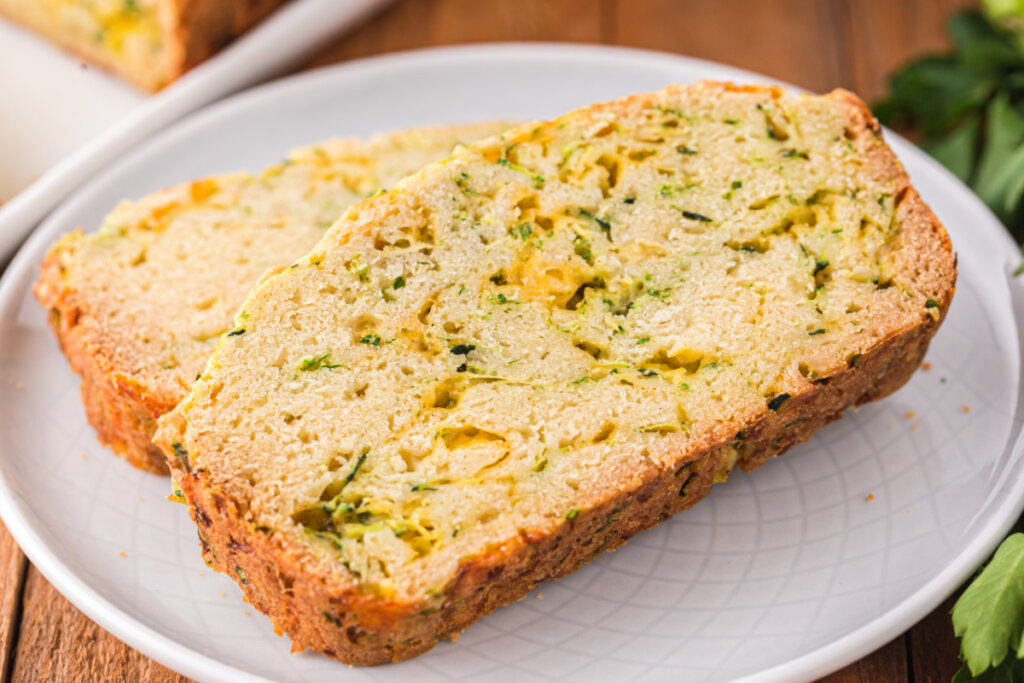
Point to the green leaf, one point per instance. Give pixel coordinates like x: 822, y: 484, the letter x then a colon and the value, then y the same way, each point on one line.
x: 980, y: 45
x: 1002, y: 159
x: 1010, y: 671
x: 933, y: 92
x: 970, y: 28
x: 989, y: 616
x: 958, y: 150
x: 1014, y: 193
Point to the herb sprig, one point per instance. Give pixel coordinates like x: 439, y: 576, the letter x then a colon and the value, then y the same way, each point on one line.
x: 989, y: 618
x: 966, y: 108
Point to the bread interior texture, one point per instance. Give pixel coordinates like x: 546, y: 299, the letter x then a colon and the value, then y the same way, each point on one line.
x: 548, y: 319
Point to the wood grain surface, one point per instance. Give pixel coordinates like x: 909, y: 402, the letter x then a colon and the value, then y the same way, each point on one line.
x: 815, y: 44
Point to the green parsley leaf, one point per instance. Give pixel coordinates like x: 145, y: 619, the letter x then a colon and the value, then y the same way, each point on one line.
x: 965, y: 107
x: 989, y: 616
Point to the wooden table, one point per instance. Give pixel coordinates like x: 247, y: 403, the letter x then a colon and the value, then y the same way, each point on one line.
x: 817, y: 44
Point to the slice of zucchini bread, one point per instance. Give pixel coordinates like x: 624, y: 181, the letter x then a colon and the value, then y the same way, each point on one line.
x: 138, y: 306
x: 149, y: 42
x: 523, y: 355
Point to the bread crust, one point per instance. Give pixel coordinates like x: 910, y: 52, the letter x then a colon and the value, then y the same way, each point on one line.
x: 191, y: 33
x: 119, y: 408
x: 323, y: 613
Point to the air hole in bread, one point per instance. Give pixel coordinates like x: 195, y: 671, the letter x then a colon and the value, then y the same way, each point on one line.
x: 605, y: 433
x: 611, y: 167
x: 688, y: 360
x: 763, y: 202
x: 592, y: 350
x: 360, y: 326
x: 640, y: 154
x: 527, y: 203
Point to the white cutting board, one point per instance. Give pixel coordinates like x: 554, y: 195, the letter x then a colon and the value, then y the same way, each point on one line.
x: 60, y: 124
x: 50, y: 104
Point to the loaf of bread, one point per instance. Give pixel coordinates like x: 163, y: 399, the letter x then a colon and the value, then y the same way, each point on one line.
x: 148, y: 42
x: 139, y: 305
x: 523, y: 355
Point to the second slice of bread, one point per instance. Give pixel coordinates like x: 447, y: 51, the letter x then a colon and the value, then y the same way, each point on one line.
x: 139, y: 305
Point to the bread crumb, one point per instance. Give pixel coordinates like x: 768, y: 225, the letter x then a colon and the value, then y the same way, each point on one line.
x: 122, y: 554
x: 16, y: 383
x: 245, y: 612
x: 870, y: 497
x: 220, y: 593
x: 890, y: 425
x: 540, y: 596
x: 926, y: 366
x: 909, y: 510
x: 201, y: 573
x: 966, y: 408
x: 83, y: 456
x: 910, y: 415
x: 913, y: 428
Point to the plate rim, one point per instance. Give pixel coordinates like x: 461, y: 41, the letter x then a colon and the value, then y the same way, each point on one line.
x: 16, y: 511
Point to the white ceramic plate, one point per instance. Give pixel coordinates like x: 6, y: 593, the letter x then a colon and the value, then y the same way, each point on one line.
x: 785, y: 574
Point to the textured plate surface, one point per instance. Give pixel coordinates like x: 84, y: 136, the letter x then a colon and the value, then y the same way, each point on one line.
x: 785, y: 574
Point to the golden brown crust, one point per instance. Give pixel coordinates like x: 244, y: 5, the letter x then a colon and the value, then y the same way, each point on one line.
x: 328, y: 616
x: 117, y: 406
